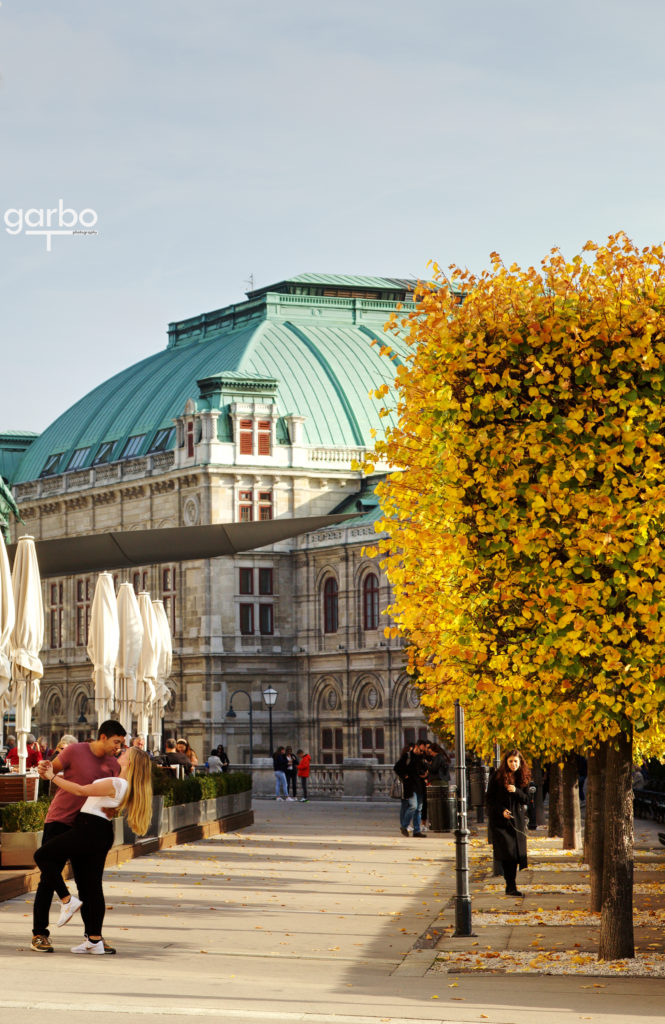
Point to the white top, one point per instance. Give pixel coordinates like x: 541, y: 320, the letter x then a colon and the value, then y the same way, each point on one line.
x: 94, y: 804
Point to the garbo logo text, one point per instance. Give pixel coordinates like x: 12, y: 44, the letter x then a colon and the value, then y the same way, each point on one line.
x: 60, y: 220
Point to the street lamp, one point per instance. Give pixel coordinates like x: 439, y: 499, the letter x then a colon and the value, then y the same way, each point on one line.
x: 231, y: 714
x: 270, y: 696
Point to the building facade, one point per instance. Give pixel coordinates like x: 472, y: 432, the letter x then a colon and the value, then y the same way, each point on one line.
x: 257, y: 411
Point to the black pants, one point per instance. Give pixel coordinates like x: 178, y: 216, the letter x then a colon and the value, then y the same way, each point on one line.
x: 291, y: 781
x: 303, y: 783
x: 47, y: 886
x: 510, y: 874
x: 86, y: 844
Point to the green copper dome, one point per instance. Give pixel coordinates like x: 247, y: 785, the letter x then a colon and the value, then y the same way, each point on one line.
x: 306, y: 341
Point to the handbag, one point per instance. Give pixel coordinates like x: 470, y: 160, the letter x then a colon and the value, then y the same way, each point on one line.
x: 396, y: 791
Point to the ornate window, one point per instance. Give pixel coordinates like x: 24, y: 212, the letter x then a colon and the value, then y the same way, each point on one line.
x: 372, y: 743
x: 265, y: 581
x: 190, y: 439
x: 246, y: 506
x: 246, y: 580
x: 332, y: 745
x: 83, y: 605
x: 371, y: 601
x: 55, y: 614
x: 330, y: 606
x: 169, y: 593
x: 246, y: 619
x: 264, y: 435
x: 266, y: 620
x: 246, y: 437
x: 265, y: 505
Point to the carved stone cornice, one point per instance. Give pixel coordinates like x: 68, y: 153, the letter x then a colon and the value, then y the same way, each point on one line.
x: 71, y: 504
x: 189, y: 480
x: 133, y: 492
x: 105, y: 498
x: 51, y: 509
x: 161, y: 486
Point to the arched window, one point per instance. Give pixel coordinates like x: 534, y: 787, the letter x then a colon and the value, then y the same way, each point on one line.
x: 330, y: 606
x: 370, y: 602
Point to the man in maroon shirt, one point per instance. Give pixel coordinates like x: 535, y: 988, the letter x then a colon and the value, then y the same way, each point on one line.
x: 82, y: 763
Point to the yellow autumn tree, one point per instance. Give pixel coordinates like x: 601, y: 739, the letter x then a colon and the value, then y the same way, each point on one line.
x: 525, y: 525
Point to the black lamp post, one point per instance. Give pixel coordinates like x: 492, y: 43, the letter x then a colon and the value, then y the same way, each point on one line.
x: 231, y: 714
x: 270, y: 697
x: 82, y: 720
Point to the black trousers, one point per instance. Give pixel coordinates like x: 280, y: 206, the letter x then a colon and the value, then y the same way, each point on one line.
x: 510, y: 874
x: 47, y: 886
x: 303, y: 783
x: 291, y: 781
x: 86, y: 844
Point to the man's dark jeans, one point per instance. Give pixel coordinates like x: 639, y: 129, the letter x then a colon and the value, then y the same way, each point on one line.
x: 44, y: 893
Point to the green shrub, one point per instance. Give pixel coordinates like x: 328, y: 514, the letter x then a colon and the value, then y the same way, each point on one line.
x: 25, y: 815
x: 197, y: 787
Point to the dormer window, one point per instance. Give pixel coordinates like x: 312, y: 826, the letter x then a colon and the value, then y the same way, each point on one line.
x: 162, y: 440
x: 190, y: 439
x: 264, y: 434
x: 132, y: 446
x: 78, y: 458
x: 104, y: 453
x: 51, y: 465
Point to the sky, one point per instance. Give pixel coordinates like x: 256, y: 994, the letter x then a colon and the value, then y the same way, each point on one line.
x: 215, y: 142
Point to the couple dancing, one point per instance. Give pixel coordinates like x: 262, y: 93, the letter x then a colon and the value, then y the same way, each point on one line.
x: 78, y: 828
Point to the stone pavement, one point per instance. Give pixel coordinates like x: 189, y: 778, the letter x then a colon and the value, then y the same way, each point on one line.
x: 321, y: 912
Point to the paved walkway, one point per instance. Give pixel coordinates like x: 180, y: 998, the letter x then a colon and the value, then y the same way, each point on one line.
x: 318, y: 913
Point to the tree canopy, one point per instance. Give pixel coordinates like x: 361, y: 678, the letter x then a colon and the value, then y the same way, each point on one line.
x: 525, y: 520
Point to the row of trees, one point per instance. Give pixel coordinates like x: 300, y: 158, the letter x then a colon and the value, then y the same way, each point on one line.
x: 524, y: 530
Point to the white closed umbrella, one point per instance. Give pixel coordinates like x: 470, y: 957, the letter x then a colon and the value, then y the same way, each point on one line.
x: 6, y: 626
x: 103, y: 640
x: 163, y: 694
x: 26, y: 639
x: 129, y: 651
x: 146, y: 676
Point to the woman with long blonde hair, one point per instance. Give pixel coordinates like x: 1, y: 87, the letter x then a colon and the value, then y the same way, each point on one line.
x: 91, y: 838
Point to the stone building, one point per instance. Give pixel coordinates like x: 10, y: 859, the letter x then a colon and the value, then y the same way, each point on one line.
x: 255, y: 411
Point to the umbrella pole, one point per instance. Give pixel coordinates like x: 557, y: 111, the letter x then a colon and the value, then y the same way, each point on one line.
x: 21, y: 728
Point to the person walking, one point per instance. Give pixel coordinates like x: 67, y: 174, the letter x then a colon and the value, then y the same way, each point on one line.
x: 91, y: 837
x: 303, y: 773
x: 410, y: 768
x: 291, y: 773
x: 506, y: 803
x: 81, y: 763
x: 279, y: 765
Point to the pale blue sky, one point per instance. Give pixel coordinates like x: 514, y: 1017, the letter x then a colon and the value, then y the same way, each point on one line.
x: 217, y: 139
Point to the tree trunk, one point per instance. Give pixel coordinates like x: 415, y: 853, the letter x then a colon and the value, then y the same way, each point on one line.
x: 555, y: 820
x: 616, y: 922
x: 572, y: 816
x: 594, y: 833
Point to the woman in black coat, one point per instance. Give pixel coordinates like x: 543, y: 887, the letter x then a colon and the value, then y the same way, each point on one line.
x: 506, y: 801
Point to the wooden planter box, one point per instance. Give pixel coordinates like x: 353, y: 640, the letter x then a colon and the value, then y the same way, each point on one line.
x: 18, y: 787
x: 18, y: 848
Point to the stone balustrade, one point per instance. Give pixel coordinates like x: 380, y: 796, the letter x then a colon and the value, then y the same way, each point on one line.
x: 357, y: 778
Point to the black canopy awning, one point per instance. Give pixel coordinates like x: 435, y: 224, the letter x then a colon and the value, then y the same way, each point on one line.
x: 97, y: 552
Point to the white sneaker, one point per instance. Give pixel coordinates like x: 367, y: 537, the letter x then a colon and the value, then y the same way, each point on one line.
x: 279, y: 798
x: 291, y: 799
x: 67, y: 910
x: 96, y: 948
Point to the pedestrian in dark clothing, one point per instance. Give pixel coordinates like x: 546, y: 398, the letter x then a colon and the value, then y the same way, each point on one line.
x: 291, y: 773
x: 410, y: 768
x: 279, y: 765
x: 223, y: 757
x: 506, y: 802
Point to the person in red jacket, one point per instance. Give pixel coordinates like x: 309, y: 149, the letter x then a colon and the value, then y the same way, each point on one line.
x: 303, y: 773
x: 34, y: 754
